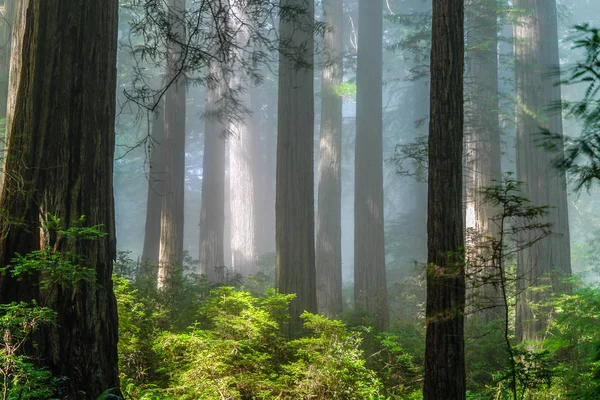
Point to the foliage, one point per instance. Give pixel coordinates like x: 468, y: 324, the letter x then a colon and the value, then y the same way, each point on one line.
x: 581, y: 154
x: 56, y: 267
x: 236, y: 350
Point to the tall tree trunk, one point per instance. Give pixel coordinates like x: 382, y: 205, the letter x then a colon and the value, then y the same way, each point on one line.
x: 171, y: 229
x: 482, y: 151
x: 537, y: 64
x: 420, y: 112
x: 6, y: 25
x: 294, y: 205
x: 212, y: 212
x: 60, y: 161
x: 156, y: 190
x: 370, y: 291
x: 244, y: 158
x: 444, y: 349
x: 329, y: 217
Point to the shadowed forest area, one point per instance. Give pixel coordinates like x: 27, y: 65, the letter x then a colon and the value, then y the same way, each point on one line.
x: 300, y: 199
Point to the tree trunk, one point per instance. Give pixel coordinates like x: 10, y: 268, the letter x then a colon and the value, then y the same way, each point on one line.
x: 156, y: 190
x: 482, y: 153
x: 6, y: 25
x: 329, y: 217
x: 420, y: 101
x: 370, y: 291
x: 212, y: 212
x: 294, y: 205
x: 444, y: 350
x: 244, y: 158
x: 171, y: 229
x: 537, y: 64
x: 61, y: 142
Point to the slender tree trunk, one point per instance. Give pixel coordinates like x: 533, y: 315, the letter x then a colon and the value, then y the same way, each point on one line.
x: 61, y: 142
x: 444, y: 350
x: 420, y: 102
x: 212, y: 212
x: 171, y: 229
x: 156, y: 190
x: 6, y: 25
x: 295, y: 171
x: 244, y: 158
x: 537, y: 64
x: 482, y: 152
x: 329, y: 217
x: 370, y: 291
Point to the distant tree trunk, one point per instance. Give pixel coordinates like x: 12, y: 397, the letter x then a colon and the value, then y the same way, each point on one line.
x: 482, y: 151
x: 244, y: 154
x: 420, y: 102
x: 329, y: 217
x: 171, y: 229
x: 444, y: 350
x: 156, y: 190
x: 60, y: 161
x: 6, y: 23
x: 370, y: 291
x: 537, y: 64
x: 212, y: 212
x: 295, y: 171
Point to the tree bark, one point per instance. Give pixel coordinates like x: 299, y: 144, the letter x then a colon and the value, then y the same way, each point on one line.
x: 244, y: 158
x: 61, y: 142
x: 156, y: 190
x: 6, y: 24
x: 370, y: 291
x: 172, y: 202
x: 329, y: 215
x: 212, y: 211
x: 444, y: 350
x: 294, y: 204
x: 482, y: 153
x: 537, y: 64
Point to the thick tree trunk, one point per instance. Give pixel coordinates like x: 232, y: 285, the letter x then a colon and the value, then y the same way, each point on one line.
x: 60, y: 161
x: 171, y: 229
x: 244, y: 158
x: 482, y: 153
x: 329, y: 217
x: 370, y: 291
x: 444, y: 351
x: 212, y: 211
x: 537, y: 64
x: 295, y: 171
x: 156, y: 190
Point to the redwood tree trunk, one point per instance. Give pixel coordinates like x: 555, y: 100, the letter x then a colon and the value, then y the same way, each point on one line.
x: 444, y: 349
x: 244, y: 159
x: 212, y: 211
x: 329, y: 217
x: 537, y: 63
x: 294, y: 206
x: 171, y: 229
x: 482, y: 152
x: 370, y: 291
x: 156, y: 190
x: 60, y: 161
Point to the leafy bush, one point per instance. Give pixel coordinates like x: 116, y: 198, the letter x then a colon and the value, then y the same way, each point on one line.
x: 236, y: 350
